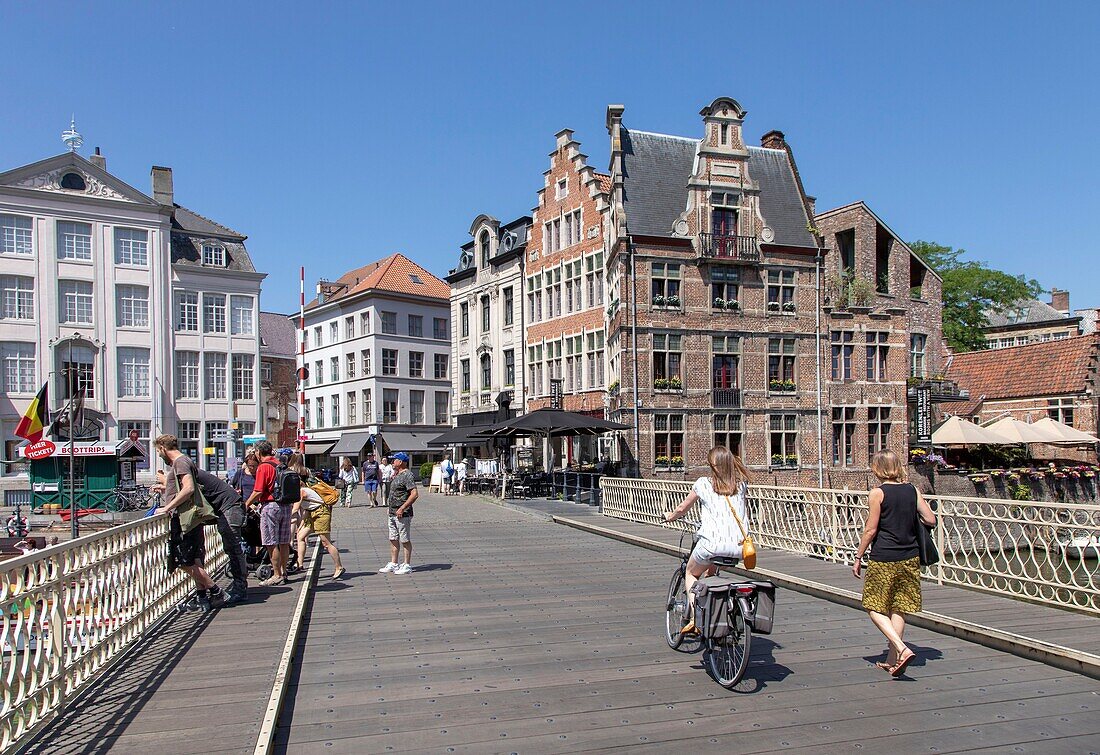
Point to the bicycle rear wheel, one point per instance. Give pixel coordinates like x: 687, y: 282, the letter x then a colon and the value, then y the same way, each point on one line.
x: 727, y: 658
x: 677, y: 614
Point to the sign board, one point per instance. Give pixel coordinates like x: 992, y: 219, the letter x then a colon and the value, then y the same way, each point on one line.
x: 556, y: 393
x: 43, y: 449
x: 250, y: 439
x: 303, y: 437
x: 221, y: 436
x: 208, y: 451
x: 525, y: 457
x: 924, y: 415
x: 78, y: 449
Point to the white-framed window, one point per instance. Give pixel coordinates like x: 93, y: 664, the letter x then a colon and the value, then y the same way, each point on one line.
x: 593, y: 266
x: 594, y: 343
x: 307, y: 414
x: 78, y: 370
x: 781, y: 286
x: 368, y: 412
x: 389, y: 323
x: 364, y: 323
x: 133, y: 372
x: 18, y: 297
x: 442, y: 408
x: 333, y: 332
x: 74, y: 240
x: 573, y: 286
x: 131, y: 246
x: 441, y: 366
x: 1060, y: 410
x: 320, y: 412
x: 334, y: 369
x: 318, y: 372
x: 19, y: 368
x: 187, y: 374
x: 416, y: 364
x: 187, y: 311
x: 844, y: 434
x: 440, y: 329
x: 318, y: 335
x: 571, y: 232
x: 728, y: 432
x: 416, y: 407
x: 389, y: 404
x: 265, y: 373
x: 240, y: 308
x: 213, y: 255
x: 76, y: 302
x: 389, y: 361
x: 878, y: 429
x: 335, y: 409
x: 416, y: 326
x: 878, y: 348
x: 464, y: 369
x: 841, y: 349
x: 131, y: 306
x: 464, y: 319
x: 349, y: 328
x: 16, y: 235
x: 917, y: 343
x: 351, y: 408
x: 349, y: 365
x: 668, y: 439
x: 364, y: 356
x: 213, y: 313
x: 215, y: 378
x: 244, y: 377
x: 783, y: 435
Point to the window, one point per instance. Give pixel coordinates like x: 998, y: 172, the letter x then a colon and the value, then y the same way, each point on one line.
x: 389, y: 323
x: 535, y: 370
x: 213, y: 255
x: 725, y: 288
x: 364, y: 323
x: 389, y: 361
x: 187, y: 312
x: 265, y: 373
x: 133, y: 372
x: 571, y: 231
x: 416, y: 364
x: 509, y: 367
x: 668, y: 439
x: 19, y: 368
x: 244, y: 376
x: 351, y: 408
x: 665, y: 282
x: 883, y: 242
x: 593, y: 278
x: 781, y: 291
x: 727, y: 431
x: 317, y: 337
x: 725, y: 368
x: 364, y: 356
x: 877, y: 349
x: 553, y: 292
x: 917, y: 342
x: 187, y: 374
x: 1060, y: 410
x: 78, y: 370
x: 439, y: 329
x: 441, y: 361
x: 723, y: 138
x: 666, y: 359
x: 464, y: 319
x: 18, y: 297
x: 553, y: 360
x: 213, y: 313
x: 132, y: 306
x: 74, y: 241
x: 368, y: 412
x: 16, y: 235
x: 142, y: 429
x: 131, y: 246
x: 781, y: 360
x: 320, y: 412
x: 486, y: 318
x: 573, y: 286
x: 464, y: 367
x: 594, y: 343
x: 333, y: 332
x: 442, y: 408
x: 318, y: 372
x: 416, y: 326
x: 188, y: 435
x: 214, y: 431
x: 841, y: 359
x: 534, y: 297
x: 844, y: 430
x: 334, y: 369
x: 507, y: 306
x: 916, y: 277
x: 389, y: 405
x: 574, y: 360
x: 561, y: 189
x: 307, y: 413
x: 349, y: 365
x: 878, y: 429
x: 416, y: 407
x: 215, y: 375
x: 486, y: 372
x: 349, y: 328
x: 483, y: 248
x: 784, y: 439
x: 240, y: 308
x: 76, y: 302
x: 846, y: 252
x: 335, y: 409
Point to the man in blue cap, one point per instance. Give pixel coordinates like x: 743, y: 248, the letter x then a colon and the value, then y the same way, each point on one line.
x: 402, y: 494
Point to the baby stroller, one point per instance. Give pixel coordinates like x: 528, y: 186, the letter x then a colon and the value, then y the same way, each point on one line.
x: 257, y: 557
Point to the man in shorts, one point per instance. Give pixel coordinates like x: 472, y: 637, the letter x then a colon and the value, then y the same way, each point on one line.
x: 402, y: 495
x: 370, y: 479
x: 274, y: 517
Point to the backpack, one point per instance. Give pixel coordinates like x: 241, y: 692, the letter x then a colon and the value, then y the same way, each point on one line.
x: 288, y: 485
x: 329, y: 494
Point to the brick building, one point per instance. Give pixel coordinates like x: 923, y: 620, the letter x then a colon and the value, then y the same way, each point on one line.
x: 278, y: 379
x: 723, y: 327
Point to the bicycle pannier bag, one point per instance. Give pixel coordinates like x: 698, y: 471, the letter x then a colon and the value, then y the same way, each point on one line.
x: 712, y: 606
x: 764, y: 616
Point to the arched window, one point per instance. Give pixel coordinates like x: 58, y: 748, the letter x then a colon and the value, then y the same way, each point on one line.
x: 483, y: 248
x: 73, y: 181
x: 486, y: 372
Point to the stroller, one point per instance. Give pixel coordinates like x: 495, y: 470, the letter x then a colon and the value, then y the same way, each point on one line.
x: 256, y: 555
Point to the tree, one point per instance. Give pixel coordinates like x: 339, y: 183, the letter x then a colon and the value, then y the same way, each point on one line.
x: 972, y: 289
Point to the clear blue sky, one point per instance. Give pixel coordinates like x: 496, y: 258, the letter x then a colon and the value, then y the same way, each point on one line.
x: 336, y: 133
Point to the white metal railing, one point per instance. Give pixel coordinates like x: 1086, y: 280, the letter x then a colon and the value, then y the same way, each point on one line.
x: 1035, y: 550
x: 71, y: 609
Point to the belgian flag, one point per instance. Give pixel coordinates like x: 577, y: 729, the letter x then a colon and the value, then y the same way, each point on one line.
x: 34, y: 420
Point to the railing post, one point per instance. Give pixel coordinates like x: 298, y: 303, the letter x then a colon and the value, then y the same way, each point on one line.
x: 834, y: 529
x: 939, y: 544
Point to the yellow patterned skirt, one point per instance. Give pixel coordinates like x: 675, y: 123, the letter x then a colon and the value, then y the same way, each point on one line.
x: 892, y: 586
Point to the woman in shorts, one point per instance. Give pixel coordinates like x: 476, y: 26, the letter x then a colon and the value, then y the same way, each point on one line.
x: 723, y: 517
x: 316, y: 518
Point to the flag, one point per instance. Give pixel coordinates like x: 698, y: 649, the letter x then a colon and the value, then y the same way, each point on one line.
x: 34, y: 420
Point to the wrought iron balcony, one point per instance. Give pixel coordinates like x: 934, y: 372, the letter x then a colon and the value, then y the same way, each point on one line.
x: 723, y: 247
x: 942, y: 389
x: 726, y: 398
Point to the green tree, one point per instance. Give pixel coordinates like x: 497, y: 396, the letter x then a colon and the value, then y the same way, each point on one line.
x: 970, y: 290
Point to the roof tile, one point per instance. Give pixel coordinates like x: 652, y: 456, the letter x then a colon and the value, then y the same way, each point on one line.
x: 1037, y: 369
x: 395, y: 274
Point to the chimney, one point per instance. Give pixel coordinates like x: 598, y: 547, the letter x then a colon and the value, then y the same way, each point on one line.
x: 162, y: 185
x: 1059, y: 299
x: 98, y: 160
x: 773, y: 140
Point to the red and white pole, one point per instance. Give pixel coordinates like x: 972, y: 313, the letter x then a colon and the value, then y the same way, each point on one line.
x: 301, y: 359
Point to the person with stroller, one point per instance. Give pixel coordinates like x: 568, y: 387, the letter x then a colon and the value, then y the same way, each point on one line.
x: 274, y: 516
x: 316, y: 514
x: 244, y: 479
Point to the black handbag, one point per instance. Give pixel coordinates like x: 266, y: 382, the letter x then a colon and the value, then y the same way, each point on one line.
x: 926, y: 544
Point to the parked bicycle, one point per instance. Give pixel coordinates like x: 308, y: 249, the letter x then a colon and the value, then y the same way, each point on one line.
x: 725, y: 614
x: 137, y: 498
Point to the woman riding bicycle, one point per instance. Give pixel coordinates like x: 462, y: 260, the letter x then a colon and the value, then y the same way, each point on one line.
x: 719, y: 533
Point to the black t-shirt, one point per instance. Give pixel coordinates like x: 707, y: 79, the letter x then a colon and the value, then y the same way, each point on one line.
x: 218, y: 492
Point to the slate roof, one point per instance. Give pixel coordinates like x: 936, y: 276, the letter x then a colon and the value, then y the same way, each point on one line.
x: 394, y: 274
x: 1049, y: 368
x: 190, y: 221
x: 656, y: 171
x: 191, y: 230
x: 277, y: 335
x: 1028, y: 312
x: 1088, y: 319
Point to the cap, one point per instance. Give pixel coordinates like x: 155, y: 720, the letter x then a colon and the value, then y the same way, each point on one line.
x: 401, y: 456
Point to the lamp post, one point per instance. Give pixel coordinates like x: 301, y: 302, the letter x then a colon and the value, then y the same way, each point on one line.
x: 72, y: 388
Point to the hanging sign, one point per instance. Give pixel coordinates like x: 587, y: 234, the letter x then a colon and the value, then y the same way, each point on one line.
x: 924, y: 415
x: 556, y: 393
x: 43, y: 449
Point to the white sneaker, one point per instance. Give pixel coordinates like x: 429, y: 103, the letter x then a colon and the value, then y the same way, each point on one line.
x: 403, y: 569
x: 389, y: 568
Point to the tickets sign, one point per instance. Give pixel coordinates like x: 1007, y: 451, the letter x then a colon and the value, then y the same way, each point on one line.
x: 43, y: 449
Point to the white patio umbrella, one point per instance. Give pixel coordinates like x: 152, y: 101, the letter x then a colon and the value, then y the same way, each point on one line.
x: 1022, y: 432
x: 1069, y: 434
x: 956, y: 431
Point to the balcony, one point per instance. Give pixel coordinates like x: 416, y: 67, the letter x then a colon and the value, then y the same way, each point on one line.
x: 943, y: 390
x: 726, y: 398
x: 735, y: 248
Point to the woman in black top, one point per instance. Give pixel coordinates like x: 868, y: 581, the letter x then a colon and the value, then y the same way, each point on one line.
x: 892, y: 587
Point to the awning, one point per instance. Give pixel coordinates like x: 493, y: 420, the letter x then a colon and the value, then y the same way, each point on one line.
x: 404, y: 440
x: 460, y: 436
x: 319, y: 447
x: 351, y: 444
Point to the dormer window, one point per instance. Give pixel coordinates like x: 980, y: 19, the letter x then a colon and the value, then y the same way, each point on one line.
x: 213, y: 256
x: 73, y: 181
x: 562, y: 189
x: 483, y: 248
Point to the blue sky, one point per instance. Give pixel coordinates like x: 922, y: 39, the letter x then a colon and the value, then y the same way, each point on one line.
x: 333, y: 134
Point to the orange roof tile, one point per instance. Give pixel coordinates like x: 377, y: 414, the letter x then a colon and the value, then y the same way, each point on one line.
x: 1037, y: 369
x: 605, y: 182
x: 395, y: 274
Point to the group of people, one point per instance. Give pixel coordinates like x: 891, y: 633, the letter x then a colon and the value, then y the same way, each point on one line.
x: 377, y: 477
x: 454, y: 476
x: 892, y: 586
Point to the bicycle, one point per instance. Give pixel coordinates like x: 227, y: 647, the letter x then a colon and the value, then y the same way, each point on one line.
x: 137, y: 498
x: 726, y: 658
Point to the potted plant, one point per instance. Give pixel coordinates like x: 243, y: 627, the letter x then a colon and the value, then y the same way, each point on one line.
x: 788, y: 306
x: 788, y: 386
x: 775, y: 386
x: 672, y: 301
x: 675, y: 384
x: 676, y: 462
x: 733, y: 304
x: 773, y: 306
x: 861, y: 292
x: 661, y: 461
x: 661, y: 384
x: 658, y: 301
x: 719, y: 302
x: 777, y: 460
x: 792, y: 460
x: 918, y: 456
x: 613, y: 389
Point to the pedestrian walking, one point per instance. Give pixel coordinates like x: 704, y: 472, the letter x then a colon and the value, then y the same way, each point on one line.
x: 275, y: 515
x: 460, y: 476
x: 371, y: 479
x: 317, y: 502
x: 385, y: 476
x: 892, y: 586
x: 402, y: 495
x: 350, y: 475
x: 447, y: 467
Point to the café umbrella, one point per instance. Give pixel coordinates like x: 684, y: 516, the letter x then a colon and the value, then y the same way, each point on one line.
x: 1069, y: 435
x: 956, y: 431
x: 550, y: 423
x: 1022, y: 432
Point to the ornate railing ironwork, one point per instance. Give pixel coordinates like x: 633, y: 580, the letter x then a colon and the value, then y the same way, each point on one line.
x: 736, y: 248
x: 726, y: 398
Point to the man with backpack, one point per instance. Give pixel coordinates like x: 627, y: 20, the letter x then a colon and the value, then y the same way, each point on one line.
x: 277, y: 489
x: 447, y: 467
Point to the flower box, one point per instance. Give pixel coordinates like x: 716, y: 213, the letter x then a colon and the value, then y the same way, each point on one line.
x: 659, y: 301
x: 788, y: 306
x: 781, y: 386
x: 733, y: 305
x: 773, y: 306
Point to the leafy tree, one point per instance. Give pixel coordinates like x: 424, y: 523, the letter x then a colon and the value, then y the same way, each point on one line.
x: 971, y: 289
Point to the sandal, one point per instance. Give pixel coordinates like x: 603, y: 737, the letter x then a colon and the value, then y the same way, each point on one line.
x: 903, y: 662
x: 690, y: 628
